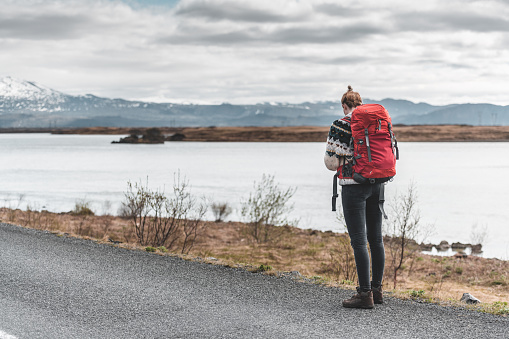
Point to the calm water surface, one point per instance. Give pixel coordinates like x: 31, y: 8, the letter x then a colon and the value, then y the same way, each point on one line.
x: 459, y: 185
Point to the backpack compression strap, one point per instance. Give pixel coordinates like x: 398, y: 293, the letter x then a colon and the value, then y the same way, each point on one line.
x: 367, y: 143
x: 381, y: 200
x: 334, y: 191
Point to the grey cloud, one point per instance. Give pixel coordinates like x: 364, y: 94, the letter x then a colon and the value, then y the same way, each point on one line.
x: 325, y: 34
x: 285, y: 35
x: 459, y: 66
x: 334, y: 9
x: 199, y: 37
x: 345, y: 60
x: 43, y: 26
x: 232, y: 11
x: 441, y: 62
x: 436, y: 21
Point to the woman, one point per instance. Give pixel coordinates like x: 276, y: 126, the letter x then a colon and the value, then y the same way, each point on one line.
x: 360, y: 208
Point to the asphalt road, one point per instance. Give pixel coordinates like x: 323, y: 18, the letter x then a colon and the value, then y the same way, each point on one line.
x: 60, y: 287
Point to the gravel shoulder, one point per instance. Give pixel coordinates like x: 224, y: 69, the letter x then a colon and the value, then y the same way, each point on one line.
x: 53, y: 286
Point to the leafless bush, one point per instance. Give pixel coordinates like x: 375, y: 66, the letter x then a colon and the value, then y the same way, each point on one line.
x: 161, y: 220
x: 403, y: 229
x: 478, y: 234
x: 191, y: 226
x: 31, y: 216
x: 342, y: 256
x: 83, y: 226
x: 128, y: 234
x: 266, y: 207
x: 105, y: 223
x: 106, y: 207
x: 34, y: 217
x: 11, y: 215
x: 137, y: 207
x: 342, y: 261
x: 221, y: 211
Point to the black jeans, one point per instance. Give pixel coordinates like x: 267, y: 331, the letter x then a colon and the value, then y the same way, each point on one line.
x: 364, y: 222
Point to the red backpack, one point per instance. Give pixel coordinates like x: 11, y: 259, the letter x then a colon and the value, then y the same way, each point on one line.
x: 374, y: 143
x: 375, y: 148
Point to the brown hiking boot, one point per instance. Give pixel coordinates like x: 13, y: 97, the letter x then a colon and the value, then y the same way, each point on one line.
x: 378, y: 297
x: 360, y: 300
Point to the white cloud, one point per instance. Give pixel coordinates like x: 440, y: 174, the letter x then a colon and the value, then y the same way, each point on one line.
x: 243, y: 51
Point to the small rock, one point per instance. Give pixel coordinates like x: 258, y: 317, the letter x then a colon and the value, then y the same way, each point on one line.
x: 458, y: 246
x: 477, y: 249
x: 296, y: 275
x: 443, y: 246
x: 469, y: 299
x: 211, y: 258
x: 426, y: 247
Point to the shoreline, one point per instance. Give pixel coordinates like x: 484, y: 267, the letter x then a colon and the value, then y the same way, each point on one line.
x: 404, y: 133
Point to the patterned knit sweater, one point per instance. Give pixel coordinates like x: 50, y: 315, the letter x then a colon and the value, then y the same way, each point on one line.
x: 339, y: 146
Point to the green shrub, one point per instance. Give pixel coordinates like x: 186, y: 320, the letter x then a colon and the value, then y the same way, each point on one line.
x: 498, y: 282
x: 162, y: 249
x: 417, y: 294
x: 263, y: 268
x: 347, y: 282
x: 150, y: 249
x: 500, y: 307
x: 319, y: 280
x: 459, y: 270
x: 82, y: 208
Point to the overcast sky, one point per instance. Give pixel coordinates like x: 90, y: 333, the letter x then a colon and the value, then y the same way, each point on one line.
x: 249, y: 51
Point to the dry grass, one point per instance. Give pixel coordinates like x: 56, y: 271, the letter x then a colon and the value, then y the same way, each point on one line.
x: 312, y: 253
x: 97, y: 227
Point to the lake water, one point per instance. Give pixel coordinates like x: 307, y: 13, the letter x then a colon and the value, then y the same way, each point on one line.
x: 459, y: 185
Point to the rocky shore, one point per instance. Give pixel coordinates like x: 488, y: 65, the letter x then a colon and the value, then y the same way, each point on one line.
x: 457, y: 247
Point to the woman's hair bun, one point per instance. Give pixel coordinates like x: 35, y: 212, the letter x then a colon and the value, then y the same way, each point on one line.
x: 351, y: 99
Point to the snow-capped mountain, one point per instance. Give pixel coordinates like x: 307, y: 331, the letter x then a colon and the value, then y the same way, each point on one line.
x: 26, y: 90
x: 28, y: 104
x: 21, y: 94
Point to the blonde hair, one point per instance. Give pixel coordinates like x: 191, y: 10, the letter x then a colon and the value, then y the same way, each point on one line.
x: 351, y: 99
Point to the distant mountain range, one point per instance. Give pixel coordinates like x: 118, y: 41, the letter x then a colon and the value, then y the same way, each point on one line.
x: 25, y: 104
